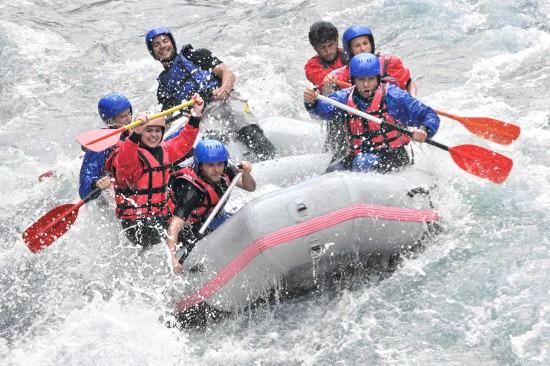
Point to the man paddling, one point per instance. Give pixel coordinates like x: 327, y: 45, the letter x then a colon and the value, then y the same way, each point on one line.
x: 372, y: 147
x: 199, y: 71
x: 141, y: 169
x: 195, y: 192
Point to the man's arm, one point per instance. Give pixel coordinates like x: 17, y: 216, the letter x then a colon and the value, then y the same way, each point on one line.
x: 410, y: 111
x: 228, y: 81
x: 176, y: 224
x: 204, y: 59
x: 247, y: 181
x: 187, y: 200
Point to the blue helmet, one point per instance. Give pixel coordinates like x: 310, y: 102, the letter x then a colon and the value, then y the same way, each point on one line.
x: 111, y: 105
x: 157, y: 32
x: 209, y: 151
x: 353, y: 32
x: 364, y: 64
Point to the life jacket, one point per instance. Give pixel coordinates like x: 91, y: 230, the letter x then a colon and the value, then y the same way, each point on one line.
x: 384, y: 62
x: 150, y: 196
x: 182, y: 80
x: 365, y: 135
x: 211, y: 198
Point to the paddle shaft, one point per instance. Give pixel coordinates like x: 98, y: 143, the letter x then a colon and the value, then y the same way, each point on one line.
x: 138, y: 122
x: 220, y: 203
x: 377, y: 120
x: 488, y: 128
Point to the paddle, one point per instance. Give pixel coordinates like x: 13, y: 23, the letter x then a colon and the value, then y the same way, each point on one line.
x: 54, y: 224
x: 213, y: 214
x: 488, y: 128
x: 220, y: 203
x: 471, y: 158
x: 99, y: 140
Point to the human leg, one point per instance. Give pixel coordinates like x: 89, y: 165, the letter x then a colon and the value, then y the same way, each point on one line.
x: 145, y: 232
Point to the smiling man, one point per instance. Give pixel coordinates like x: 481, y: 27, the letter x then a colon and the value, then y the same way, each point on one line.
x: 195, y: 192
x: 372, y: 147
x: 191, y: 71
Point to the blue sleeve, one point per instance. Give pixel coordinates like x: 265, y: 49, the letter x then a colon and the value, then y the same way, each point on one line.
x: 328, y: 111
x: 410, y: 111
x: 90, y: 171
x: 173, y: 134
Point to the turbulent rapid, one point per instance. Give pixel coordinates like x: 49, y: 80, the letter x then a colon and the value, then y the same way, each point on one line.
x: 476, y: 294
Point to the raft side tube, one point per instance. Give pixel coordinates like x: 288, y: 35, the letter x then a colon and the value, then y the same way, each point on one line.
x: 318, y: 220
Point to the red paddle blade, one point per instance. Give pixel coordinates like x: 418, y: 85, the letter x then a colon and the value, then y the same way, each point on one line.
x: 489, y: 128
x: 482, y: 162
x: 99, y: 140
x: 50, y: 227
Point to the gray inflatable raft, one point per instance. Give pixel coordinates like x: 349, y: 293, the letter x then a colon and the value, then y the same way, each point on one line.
x: 300, y: 231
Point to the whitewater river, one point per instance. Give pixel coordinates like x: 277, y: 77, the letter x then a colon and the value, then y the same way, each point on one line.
x: 479, y: 294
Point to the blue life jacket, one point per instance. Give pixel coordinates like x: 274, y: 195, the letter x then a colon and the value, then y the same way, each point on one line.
x: 182, y: 80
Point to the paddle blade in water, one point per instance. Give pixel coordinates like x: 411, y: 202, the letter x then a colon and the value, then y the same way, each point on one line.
x: 482, y: 162
x: 50, y: 227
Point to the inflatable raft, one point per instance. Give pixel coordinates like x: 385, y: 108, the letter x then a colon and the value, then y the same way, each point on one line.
x: 301, y: 232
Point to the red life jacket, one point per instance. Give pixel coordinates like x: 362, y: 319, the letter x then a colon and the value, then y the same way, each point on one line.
x: 211, y: 198
x: 150, y: 195
x: 365, y: 135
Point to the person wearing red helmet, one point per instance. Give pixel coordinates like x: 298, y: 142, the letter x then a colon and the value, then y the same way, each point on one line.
x: 140, y: 167
x: 191, y: 71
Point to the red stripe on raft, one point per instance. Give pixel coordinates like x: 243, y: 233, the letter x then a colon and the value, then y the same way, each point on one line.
x: 292, y: 232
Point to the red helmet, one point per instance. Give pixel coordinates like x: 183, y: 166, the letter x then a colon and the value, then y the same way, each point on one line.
x: 158, y: 122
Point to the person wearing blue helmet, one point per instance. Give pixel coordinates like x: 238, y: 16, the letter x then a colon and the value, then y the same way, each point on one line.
x: 191, y: 71
x: 372, y: 147
x: 197, y: 189
x: 116, y: 111
x: 359, y: 39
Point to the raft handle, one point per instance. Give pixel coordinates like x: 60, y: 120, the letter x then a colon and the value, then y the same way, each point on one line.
x: 301, y: 208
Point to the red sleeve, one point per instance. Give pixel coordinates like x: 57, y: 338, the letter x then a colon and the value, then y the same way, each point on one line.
x: 127, y: 164
x: 315, y: 72
x: 180, y: 145
x: 342, y: 74
x: 397, y: 70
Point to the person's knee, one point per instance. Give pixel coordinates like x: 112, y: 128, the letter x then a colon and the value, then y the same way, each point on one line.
x: 253, y: 137
x: 365, y: 162
x: 337, y: 166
